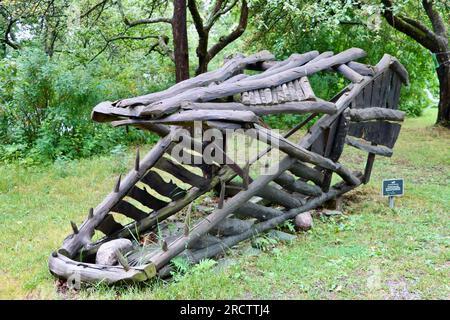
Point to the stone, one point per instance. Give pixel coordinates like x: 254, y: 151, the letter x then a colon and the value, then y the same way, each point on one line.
x: 304, y: 221
x: 106, y: 254
x: 330, y: 213
x: 281, y: 236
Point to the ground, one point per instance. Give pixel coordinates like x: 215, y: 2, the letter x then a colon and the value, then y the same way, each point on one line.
x: 372, y: 252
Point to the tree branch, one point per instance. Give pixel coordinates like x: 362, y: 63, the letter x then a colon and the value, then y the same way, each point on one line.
x: 436, y: 20
x: 418, y: 32
x: 7, y: 39
x: 196, y: 17
x: 236, y: 33
x: 140, y: 21
x: 216, y: 13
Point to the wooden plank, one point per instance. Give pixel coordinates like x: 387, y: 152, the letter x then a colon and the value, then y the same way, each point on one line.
x: 379, y: 132
x: 367, y: 95
x: 384, y: 91
x: 394, y: 93
x: 181, y: 173
x: 167, y: 189
x: 109, y: 225
x: 376, y: 93
x: 146, y: 198
x: 129, y: 210
x: 306, y: 88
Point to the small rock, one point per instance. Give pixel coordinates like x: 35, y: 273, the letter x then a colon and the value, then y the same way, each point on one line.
x: 281, y: 236
x: 106, y: 254
x: 304, y: 221
x: 329, y: 213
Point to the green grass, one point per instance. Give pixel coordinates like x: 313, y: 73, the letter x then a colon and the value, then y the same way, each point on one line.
x: 370, y: 252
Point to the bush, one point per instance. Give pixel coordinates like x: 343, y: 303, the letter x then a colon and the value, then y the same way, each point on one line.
x: 45, y: 108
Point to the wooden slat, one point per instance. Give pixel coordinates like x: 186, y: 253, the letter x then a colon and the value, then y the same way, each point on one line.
x: 376, y: 95
x: 394, y: 93
x: 367, y: 95
x: 167, y: 189
x: 127, y: 209
x: 386, y: 81
x: 379, y: 132
x: 146, y: 198
x: 109, y: 225
x: 181, y: 173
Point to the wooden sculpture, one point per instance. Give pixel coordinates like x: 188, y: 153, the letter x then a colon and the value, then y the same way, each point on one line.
x: 363, y: 115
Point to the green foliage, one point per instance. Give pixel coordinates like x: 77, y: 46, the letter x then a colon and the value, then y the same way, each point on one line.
x: 45, y: 108
x: 331, y: 25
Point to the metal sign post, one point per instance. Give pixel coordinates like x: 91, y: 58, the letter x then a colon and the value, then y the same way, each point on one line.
x: 392, y: 188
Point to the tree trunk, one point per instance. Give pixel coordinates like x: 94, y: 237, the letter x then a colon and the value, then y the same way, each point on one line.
x: 202, y: 54
x: 180, y: 40
x: 443, y: 72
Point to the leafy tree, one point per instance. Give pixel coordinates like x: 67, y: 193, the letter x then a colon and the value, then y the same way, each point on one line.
x: 434, y: 38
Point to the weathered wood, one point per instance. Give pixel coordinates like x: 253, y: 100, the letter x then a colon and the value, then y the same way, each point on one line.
x: 231, y: 226
x: 66, y: 268
x: 167, y: 189
x: 279, y: 196
x: 181, y: 173
x: 207, y: 94
x: 379, y: 132
x: 108, y: 226
x: 349, y: 73
x: 301, y: 107
x: 308, y: 92
x: 73, y: 243
x: 204, y: 115
x: 376, y: 113
x: 362, y: 69
x: 230, y: 68
x: 129, y: 210
x: 144, y: 197
x: 378, y: 150
x: 368, y: 167
x: 257, y: 211
x: 307, y: 173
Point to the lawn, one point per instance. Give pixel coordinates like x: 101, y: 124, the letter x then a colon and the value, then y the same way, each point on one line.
x: 371, y: 252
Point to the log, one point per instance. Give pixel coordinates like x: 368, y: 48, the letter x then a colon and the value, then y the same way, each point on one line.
x: 223, y: 90
x: 301, y: 107
x: 362, y: 69
x: 349, y: 73
x: 253, y: 210
x: 378, y: 150
x: 231, y: 226
x: 305, y: 172
x: 190, y: 116
x: 230, y: 68
x: 376, y: 113
x: 280, y: 197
